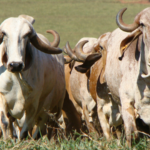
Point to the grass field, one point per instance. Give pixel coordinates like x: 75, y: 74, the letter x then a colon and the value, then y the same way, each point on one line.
x: 81, y: 143
x: 72, y: 19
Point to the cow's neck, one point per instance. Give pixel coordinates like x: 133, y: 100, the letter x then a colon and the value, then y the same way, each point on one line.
x: 142, y: 91
x: 144, y: 69
x: 16, y: 91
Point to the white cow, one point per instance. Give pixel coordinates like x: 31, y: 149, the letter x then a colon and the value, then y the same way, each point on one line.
x: 31, y: 80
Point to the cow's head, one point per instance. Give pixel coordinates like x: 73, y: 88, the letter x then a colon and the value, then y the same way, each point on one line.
x: 77, y: 54
x: 88, y: 59
x: 16, y: 36
x: 140, y: 26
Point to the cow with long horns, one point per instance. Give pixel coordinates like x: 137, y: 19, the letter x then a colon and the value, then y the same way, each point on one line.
x: 127, y: 69
x: 77, y: 86
x: 32, y: 82
x: 87, y: 84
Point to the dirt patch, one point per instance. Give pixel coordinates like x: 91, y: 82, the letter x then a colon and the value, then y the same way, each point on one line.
x: 135, y: 1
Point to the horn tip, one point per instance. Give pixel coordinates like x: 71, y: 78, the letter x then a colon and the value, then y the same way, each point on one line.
x: 67, y: 43
x: 124, y: 8
x: 49, y: 31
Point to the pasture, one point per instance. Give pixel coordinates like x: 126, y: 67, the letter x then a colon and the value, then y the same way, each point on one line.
x: 72, y: 19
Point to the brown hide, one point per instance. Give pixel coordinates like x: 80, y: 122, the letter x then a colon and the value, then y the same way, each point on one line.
x: 104, y: 55
x: 98, y: 68
x: 69, y: 103
x: 71, y: 65
x: 67, y: 59
x: 94, y: 75
x: 89, y: 61
x: 97, y: 71
x: 71, y: 113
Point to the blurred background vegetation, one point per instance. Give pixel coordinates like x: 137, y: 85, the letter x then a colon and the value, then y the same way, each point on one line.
x: 72, y: 19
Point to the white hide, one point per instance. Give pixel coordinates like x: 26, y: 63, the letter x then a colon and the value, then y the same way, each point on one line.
x: 40, y: 87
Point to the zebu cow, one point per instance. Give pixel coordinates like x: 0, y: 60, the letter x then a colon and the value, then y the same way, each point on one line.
x: 79, y: 94
x: 128, y: 69
x: 107, y: 110
x: 76, y: 111
x: 32, y: 82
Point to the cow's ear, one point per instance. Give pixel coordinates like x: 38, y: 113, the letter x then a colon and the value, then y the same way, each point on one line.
x: 28, y: 57
x: 4, y: 57
x: 89, y: 61
x: 71, y: 64
x: 29, y: 18
x: 96, y: 47
x: 128, y: 40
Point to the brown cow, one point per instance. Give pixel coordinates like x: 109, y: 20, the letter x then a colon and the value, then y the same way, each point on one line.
x: 80, y: 95
x: 107, y: 110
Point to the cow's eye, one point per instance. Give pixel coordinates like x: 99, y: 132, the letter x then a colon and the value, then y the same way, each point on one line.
x: 28, y: 34
x: 2, y: 36
x: 25, y: 35
x: 142, y: 24
x: 4, y: 33
x: 101, y: 47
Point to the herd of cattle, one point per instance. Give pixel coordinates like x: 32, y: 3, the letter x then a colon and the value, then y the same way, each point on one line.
x: 108, y: 76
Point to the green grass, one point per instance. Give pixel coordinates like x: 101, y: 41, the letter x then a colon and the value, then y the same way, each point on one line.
x: 70, y: 144
x: 72, y: 19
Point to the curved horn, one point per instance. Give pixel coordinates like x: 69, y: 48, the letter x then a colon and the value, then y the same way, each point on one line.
x: 70, y: 52
x: 79, y: 52
x: 67, y: 59
x: 64, y: 50
x: 39, y: 44
x: 122, y: 25
x: 56, y: 41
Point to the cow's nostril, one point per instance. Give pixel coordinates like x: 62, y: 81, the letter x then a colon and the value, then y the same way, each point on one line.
x: 15, y: 66
x: 11, y: 64
x: 20, y: 65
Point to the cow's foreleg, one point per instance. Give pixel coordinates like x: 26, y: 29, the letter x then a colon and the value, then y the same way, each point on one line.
x: 129, y: 122
x: 89, y: 124
x: 10, y: 125
x: 115, y: 117
x: 118, y: 132
x: 103, y: 121
x: 3, y: 124
x: 6, y: 124
x: 71, y: 113
x: 6, y: 119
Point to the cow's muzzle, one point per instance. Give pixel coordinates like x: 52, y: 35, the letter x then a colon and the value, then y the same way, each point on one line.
x: 15, y: 66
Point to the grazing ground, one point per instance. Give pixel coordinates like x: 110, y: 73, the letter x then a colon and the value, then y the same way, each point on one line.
x: 72, y: 19
x: 81, y: 143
